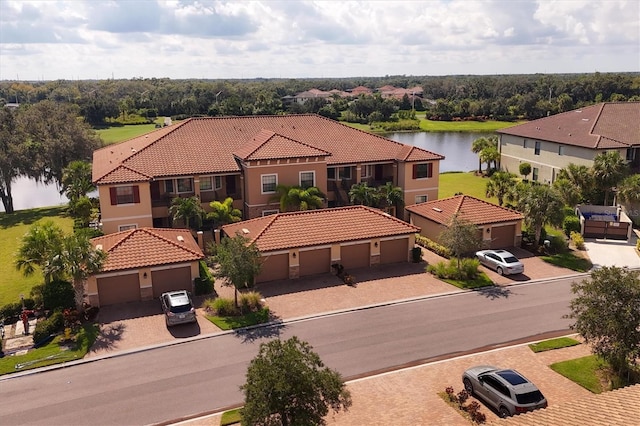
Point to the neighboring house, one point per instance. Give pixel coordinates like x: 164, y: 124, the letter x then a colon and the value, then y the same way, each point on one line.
x: 552, y: 143
x: 299, y: 244
x: 245, y: 158
x: 620, y: 407
x: 360, y: 90
x: 144, y: 263
x: 500, y: 227
x: 303, y: 97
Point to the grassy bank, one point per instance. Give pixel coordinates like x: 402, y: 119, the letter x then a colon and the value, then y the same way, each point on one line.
x: 467, y: 183
x: 116, y: 134
x: 446, y: 126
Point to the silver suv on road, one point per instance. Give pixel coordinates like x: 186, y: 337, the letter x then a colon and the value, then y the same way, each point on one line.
x: 177, y: 307
x: 506, y: 391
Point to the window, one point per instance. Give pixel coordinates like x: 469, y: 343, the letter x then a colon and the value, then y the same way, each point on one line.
x: 366, y: 171
x: 168, y: 186
x: 537, y: 148
x: 269, y: 212
x: 535, y: 173
x: 269, y: 183
x: 631, y: 154
x: 421, y: 171
x: 124, y: 195
x: 524, y: 143
x: 205, y: 184
x: 217, y: 182
x: 331, y: 173
x: 560, y: 150
x: 307, y: 179
x: 345, y: 173
x: 185, y: 185
x: 422, y: 198
x: 126, y: 227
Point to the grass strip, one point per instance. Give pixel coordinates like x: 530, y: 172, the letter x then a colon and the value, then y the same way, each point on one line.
x: 569, y: 261
x: 230, y: 417
x: 233, y: 322
x: 583, y: 371
x: 548, y: 345
x: 481, y: 281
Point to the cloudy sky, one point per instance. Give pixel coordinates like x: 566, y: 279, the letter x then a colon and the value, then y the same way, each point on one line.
x: 99, y: 39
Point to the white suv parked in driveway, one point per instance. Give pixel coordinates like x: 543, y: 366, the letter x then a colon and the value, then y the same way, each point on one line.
x: 178, y: 307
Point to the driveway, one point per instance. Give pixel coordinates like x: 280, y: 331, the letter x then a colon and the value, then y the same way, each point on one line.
x: 613, y: 253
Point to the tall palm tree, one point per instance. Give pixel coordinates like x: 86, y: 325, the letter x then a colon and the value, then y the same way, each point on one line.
x: 223, y: 212
x: 477, y: 147
x: 187, y: 209
x: 540, y: 205
x: 42, y: 242
x: 390, y: 195
x: 629, y: 189
x: 568, y: 190
x: 581, y: 177
x: 294, y: 198
x: 609, y: 168
x: 362, y: 193
x: 499, y: 185
x: 76, y: 180
x: 490, y: 155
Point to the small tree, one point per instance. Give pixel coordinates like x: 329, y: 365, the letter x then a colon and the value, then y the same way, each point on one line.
x: 540, y: 205
x: 500, y: 185
x: 461, y: 237
x: 609, y: 169
x: 223, y: 212
x: 288, y: 384
x: 477, y: 147
x: 524, y: 169
x: 239, y: 262
x: 363, y: 194
x: 39, y: 245
x: 607, y: 314
x: 187, y: 209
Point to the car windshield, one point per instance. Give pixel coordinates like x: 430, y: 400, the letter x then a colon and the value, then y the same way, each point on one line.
x: 510, y: 259
x: 529, y: 397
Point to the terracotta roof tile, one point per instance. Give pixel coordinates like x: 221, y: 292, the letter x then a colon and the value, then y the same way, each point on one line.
x: 601, y: 126
x: 469, y: 208
x: 206, y: 145
x: 142, y: 247
x: 620, y: 407
x: 318, y: 227
x: 268, y: 145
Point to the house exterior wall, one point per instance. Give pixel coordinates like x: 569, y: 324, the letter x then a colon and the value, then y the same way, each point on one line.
x: 413, y: 188
x: 549, y: 161
x: 135, y: 214
x: 428, y: 228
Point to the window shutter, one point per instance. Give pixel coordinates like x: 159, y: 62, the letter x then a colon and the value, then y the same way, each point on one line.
x: 113, y: 195
x: 415, y: 171
x: 136, y: 194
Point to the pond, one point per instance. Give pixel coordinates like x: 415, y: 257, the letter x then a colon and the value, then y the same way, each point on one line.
x: 455, y: 146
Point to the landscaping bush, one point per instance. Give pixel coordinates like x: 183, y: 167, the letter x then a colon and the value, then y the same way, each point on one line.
x: 469, y: 268
x: 47, y: 327
x: 250, y: 301
x: 58, y: 295
x: 578, y: 240
x: 571, y: 224
x: 203, y: 286
x: 10, y: 312
x: 433, y: 246
x: 449, y: 270
x: 222, y: 307
x: 558, y: 243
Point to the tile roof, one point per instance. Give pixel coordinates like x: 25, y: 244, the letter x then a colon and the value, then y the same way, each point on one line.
x: 268, y: 145
x: 318, y: 227
x: 142, y: 247
x: 602, y: 126
x: 206, y: 145
x: 620, y: 407
x: 469, y: 208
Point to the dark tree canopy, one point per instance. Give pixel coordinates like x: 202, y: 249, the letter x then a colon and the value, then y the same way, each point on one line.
x: 288, y: 384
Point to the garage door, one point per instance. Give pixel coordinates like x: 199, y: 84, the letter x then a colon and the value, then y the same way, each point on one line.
x: 394, y: 251
x: 120, y: 289
x: 502, y: 236
x: 275, y: 267
x: 171, y: 280
x: 315, y: 262
x: 354, y: 256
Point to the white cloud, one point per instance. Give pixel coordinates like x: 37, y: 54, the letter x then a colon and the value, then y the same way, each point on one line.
x: 243, y: 39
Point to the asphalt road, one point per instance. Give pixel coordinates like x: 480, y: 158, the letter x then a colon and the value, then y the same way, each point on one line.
x: 203, y: 376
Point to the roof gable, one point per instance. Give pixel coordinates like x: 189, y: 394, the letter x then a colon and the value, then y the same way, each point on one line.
x: 319, y: 227
x: 268, y: 145
x: 142, y: 247
x: 476, y: 211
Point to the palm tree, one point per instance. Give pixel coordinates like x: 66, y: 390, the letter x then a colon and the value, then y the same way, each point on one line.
x: 541, y: 205
x: 187, y: 209
x: 609, y: 168
x: 76, y: 180
x: 629, y: 189
x: 499, y: 185
x: 568, y: 191
x: 581, y: 177
x: 390, y: 195
x: 223, y: 212
x: 477, y: 147
x: 293, y: 198
x: 490, y: 155
x: 361, y: 193
x: 39, y: 245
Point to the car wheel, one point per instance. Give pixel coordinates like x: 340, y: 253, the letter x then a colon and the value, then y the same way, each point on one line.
x: 468, y: 386
x: 504, y: 413
x: 500, y: 271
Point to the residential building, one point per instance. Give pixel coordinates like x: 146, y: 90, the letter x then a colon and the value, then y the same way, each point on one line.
x: 552, y: 143
x: 246, y: 158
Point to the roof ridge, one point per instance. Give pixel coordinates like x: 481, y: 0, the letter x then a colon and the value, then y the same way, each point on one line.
x: 126, y: 235
x: 155, y: 234
x: 269, y: 222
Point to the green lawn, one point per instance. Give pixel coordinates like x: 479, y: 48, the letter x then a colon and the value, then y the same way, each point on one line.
x: 233, y: 322
x: 482, y: 281
x: 230, y: 417
x: 465, y: 182
x: 570, y: 261
x: 12, y: 228
x: 547, y: 345
x: 122, y: 133
x: 447, y: 126
x: 583, y: 371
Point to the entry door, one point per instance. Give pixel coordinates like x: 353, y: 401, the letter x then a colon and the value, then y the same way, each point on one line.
x: 231, y: 185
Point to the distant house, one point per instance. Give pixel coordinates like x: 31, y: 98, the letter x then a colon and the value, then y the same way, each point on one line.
x: 299, y: 244
x: 499, y: 227
x: 361, y: 90
x: 303, y: 97
x: 552, y: 143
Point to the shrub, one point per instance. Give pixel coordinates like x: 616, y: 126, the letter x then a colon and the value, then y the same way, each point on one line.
x: 58, y: 295
x: 250, y: 301
x: 469, y: 268
x: 578, y: 240
x: 558, y: 243
x: 449, y: 270
x: 48, y: 327
x: 441, y: 270
x: 433, y: 246
x: 203, y: 285
x: 10, y: 312
x: 571, y: 224
x: 222, y: 307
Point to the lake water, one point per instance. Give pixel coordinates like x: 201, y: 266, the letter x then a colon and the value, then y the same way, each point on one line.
x: 456, y: 147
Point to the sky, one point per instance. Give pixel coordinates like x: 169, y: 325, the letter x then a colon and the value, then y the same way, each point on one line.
x: 100, y: 39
